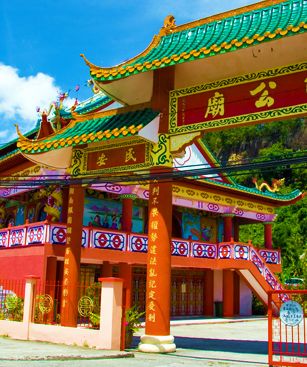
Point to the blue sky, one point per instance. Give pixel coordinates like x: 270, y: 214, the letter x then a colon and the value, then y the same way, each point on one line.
x: 41, y: 41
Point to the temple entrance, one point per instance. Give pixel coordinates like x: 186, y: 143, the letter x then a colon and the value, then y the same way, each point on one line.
x: 139, y: 287
x: 187, y: 294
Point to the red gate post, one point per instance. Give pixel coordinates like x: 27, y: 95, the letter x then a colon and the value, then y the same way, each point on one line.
x: 287, y: 342
x: 69, y: 305
x: 270, y: 329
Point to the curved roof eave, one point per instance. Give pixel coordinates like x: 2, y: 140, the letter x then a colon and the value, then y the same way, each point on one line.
x: 273, y: 197
x: 230, y: 31
x: 86, y: 129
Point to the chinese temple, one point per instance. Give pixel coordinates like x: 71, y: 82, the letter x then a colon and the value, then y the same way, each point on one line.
x: 134, y: 192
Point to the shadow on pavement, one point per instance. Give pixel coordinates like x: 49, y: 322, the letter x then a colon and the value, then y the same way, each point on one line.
x: 221, y: 345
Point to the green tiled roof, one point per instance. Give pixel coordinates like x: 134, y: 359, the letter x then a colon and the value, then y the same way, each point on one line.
x: 210, y: 38
x: 97, y: 101
x: 9, y: 149
x: 272, y: 195
x: 107, y: 127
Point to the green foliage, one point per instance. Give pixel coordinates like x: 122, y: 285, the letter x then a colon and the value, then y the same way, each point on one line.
x: 3, y: 314
x: 133, y: 319
x: 14, y: 307
x: 271, y: 141
x: 258, y: 308
x: 289, y: 234
x: 94, y: 292
x: 95, y: 319
x: 252, y: 232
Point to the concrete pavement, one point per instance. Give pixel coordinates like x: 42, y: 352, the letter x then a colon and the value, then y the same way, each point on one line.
x: 199, y: 343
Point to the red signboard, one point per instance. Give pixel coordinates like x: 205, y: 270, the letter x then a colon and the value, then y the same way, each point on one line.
x: 119, y: 156
x: 247, y: 99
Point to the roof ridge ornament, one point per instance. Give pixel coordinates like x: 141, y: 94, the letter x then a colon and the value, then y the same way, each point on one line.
x: 275, y: 187
x: 20, y: 135
x: 168, y: 26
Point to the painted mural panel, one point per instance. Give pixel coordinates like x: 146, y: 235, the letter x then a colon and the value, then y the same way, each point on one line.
x: 20, y: 216
x: 199, y: 228
x: 208, y: 229
x: 106, y: 213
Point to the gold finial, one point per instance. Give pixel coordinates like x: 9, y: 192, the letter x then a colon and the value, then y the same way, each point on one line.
x: 168, y: 26
x: 21, y: 137
x: 85, y: 59
x: 88, y: 63
x: 95, y: 87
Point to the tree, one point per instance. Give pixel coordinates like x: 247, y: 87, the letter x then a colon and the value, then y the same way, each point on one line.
x: 271, y: 141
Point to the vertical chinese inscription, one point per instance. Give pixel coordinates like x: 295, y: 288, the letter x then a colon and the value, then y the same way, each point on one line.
x: 152, y: 252
x: 70, y: 212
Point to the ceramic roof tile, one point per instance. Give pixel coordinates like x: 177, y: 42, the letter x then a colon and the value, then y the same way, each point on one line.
x: 211, y: 38
x: 97, y: 101
x: 92, y: 130
x: 272, y: 195
x: 9, y: 149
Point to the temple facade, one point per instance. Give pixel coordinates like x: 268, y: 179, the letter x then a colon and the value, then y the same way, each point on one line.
x: 134, y: 192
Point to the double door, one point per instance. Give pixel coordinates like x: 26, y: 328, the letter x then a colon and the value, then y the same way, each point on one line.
x: 187, y: 291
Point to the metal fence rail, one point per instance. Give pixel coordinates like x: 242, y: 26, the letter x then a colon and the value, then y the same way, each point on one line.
x: 47, y: 304
x: 11, y: 299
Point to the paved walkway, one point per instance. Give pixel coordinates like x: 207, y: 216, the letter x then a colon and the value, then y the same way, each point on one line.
x: 199, y: 343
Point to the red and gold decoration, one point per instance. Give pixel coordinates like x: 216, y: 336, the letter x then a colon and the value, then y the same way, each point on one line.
x: 246, y: 99
x: 158, y: 260
x: 117, y: 156
x: 72, y: 256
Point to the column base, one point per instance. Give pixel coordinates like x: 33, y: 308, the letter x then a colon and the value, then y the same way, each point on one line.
x: 157, y: 344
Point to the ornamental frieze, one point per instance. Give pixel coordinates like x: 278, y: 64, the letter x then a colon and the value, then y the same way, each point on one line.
x: 214, y: 199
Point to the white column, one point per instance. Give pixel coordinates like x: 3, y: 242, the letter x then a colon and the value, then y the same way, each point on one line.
x: 28, y: 302
x: 111, y: 311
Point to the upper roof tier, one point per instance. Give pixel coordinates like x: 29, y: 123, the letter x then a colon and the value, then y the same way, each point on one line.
x: 230, y: 31
x: 98, y: 101
x: 91, y: 129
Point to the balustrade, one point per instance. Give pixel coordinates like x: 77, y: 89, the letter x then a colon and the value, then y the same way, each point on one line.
x: 99, y: 238
x: 55, y: 233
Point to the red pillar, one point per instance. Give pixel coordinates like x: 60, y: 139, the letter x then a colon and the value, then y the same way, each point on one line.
x: 65, y: 192
x: 236, y: 310
x: 69, y: 304
x: 50, y: 288
x: 208, y: 293
x: 157, y: 336
x: 268, y: 243
x: 125, y: 273
x: 127, y: 212
x: 228, y: 293
x: 228, y: 227
x: 236, y: 230
x: 106, y: 270
x: 159, y: 259
x: 51, y: 269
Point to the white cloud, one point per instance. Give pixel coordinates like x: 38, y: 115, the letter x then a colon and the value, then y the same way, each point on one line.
x: 4, y: 133
x: 20, y: 96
